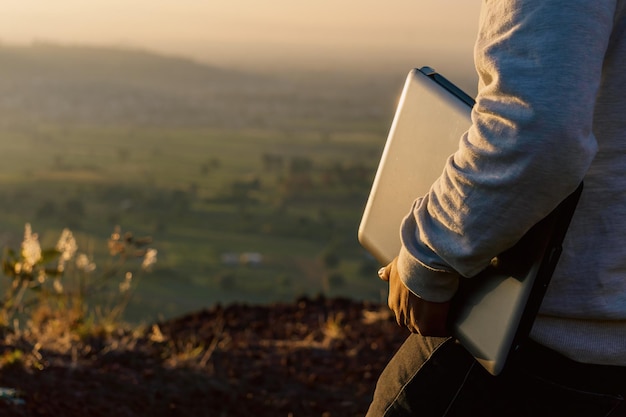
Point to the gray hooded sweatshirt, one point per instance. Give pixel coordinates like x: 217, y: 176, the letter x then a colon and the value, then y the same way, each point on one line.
x: 550, y: 113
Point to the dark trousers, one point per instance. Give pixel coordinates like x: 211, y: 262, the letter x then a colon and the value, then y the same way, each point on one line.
x: 437, y: 377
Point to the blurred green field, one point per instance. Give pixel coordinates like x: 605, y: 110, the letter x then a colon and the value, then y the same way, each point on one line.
x: 206, y: 196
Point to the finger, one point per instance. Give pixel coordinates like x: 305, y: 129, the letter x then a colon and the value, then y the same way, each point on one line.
x: 400, y: 319
x: 393, y: 306
x: 412, y: 326
x: 383, y: 274
x: 401, y: 312
x: 409, y: 321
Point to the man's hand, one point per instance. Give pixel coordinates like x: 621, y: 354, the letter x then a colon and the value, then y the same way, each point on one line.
x: 416, y: 314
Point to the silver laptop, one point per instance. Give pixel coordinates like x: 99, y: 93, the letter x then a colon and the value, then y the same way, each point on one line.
x: 432, y: 115
x: 493, y: 312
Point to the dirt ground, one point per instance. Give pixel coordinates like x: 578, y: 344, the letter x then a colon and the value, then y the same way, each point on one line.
x: 312, y: 357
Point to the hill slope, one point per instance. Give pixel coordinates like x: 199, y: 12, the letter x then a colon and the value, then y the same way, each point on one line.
x: 105, y: 85
x: 81, y: 84
x: 314, y: 357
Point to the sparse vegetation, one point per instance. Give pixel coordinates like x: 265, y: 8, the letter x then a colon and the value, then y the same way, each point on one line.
x: 309, y: 358
x: 62, y: 284
x: 58, y: 356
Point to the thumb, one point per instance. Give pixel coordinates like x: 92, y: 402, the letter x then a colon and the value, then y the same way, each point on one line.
x: 383, y: 273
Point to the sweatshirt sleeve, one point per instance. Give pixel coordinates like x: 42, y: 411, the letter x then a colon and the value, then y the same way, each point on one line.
x: 529, y: 145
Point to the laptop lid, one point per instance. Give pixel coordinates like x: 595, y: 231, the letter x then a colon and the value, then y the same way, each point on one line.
x: 493, y: 312
x: 431, y: 117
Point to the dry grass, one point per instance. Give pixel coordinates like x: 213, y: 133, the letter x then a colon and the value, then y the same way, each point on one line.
x: 308, y: 358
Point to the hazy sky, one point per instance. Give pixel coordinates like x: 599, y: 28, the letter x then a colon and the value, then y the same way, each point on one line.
x: 237, y: 31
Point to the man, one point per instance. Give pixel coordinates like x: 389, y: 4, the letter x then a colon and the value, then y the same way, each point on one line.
x: 550, y: 113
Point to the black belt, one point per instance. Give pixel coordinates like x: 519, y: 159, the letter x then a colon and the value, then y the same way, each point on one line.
x: 541, y: 361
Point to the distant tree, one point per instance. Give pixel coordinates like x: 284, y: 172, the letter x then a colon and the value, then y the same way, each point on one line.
x: 205, y: 168
x: 123, y: 154
x: 210, y: 165
x: 74, y: 211
x: 215, y: 162
x: 47, y: 209
x: 273, y: 162
x: 160, y: 226
x: 326, y: 218
x: 330, y: 258
x: 227, y: 281
x: 193, y: 188
x: 75, y: 207
x: 300, y: 164
x: 368, y: 267
x: 284, y: 281
x: 325, y: 135
x: 180, y: 201
x: 336, y: 279
x: 59, y: 161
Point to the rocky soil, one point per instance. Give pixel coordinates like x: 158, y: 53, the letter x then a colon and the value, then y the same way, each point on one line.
x: 312, y: 357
